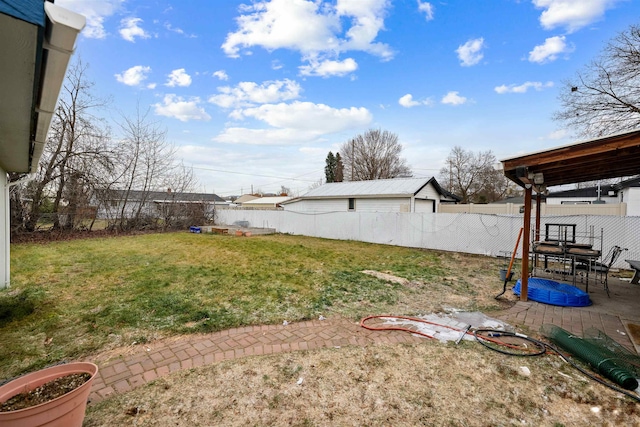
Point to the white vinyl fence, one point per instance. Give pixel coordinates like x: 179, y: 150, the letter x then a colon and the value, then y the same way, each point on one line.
x: 618, y: 209
x: 482, y: 234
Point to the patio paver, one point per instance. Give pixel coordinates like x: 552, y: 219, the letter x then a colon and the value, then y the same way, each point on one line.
x: 146, y: 364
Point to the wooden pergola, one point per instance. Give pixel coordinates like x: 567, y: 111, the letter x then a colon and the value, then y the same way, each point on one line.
x: 607, y: 157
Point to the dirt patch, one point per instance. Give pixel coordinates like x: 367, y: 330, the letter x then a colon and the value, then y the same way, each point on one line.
x: 387, y: 277
x: 67, y: 235
x: 634, y: 332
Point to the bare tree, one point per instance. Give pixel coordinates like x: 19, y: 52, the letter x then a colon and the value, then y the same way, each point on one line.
x: 473, y: 176
x: 285, y: 191
x: 604, y: 98
x: 182, y: 213
x: 147, y: 163
x: 339, y: 171
x: 76, y: 153
x: 373, y: 155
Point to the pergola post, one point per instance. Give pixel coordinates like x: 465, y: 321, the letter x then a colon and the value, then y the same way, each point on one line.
x: 536, y: 236
x: 526, y: 235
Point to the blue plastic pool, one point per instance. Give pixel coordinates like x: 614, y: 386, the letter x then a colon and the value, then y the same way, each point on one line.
x: 554, y: 293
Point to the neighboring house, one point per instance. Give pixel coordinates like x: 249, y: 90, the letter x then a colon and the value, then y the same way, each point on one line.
x: 154, y: 203
x: 244, y: 198
x: 585, y: 196
x: 627, y: 191
x: 380, y: 195
x: 265, y: 202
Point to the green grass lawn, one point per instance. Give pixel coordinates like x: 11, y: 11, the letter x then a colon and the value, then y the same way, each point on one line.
x: 71, y: 299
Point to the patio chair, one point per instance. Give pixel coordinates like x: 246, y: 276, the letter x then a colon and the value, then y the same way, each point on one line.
x: 601, y: 268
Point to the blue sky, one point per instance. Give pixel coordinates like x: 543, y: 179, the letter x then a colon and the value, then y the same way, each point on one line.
x: 254, y: 94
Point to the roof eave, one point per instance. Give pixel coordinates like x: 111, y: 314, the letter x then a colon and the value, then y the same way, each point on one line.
x: 31, y: 82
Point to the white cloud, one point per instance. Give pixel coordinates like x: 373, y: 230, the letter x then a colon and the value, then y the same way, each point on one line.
x: 152, y: 85
x: 294, y: 123
x: 523, y: 87
x: 329, y: 68
x: 313, y: 28
x: 178, y: 30
x: 549, y: 51
x: 558, y: 134
x: 251, y: 93
x: 452, y: 98
x: 470, y: 53
x: 319, y: 118
x: 221, y: 75
x: 571, y: 14
x: 367, y: 17
x: 407, y: 101
x: 134, y: 75
x: 176, y: 107
x: 95, y: 12
x: 313, y: 151
x: 129, y: 29
x: 427, y: 9
x: 282, y: 24
x: 178, y: 78
x: 239, y: 135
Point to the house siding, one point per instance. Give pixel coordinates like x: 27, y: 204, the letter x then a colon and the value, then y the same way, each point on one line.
x: 577, y: 200
x: 632, y: 199
x: 427, y: 199
x: 318, y: 205
x: 393, y: 204
x: 384, y: 205
x: 426, y: 206
x: 428, y: 192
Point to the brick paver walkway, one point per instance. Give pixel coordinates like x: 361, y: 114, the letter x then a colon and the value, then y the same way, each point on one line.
x: 128, y: 372
x: 125, y: 373
x: 574, y: 319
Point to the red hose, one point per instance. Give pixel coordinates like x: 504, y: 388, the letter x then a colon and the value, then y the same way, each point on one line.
x: 417, y: 319
x: 398, y: 328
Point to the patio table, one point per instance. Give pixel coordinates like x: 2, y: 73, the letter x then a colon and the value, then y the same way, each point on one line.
x: 585, y: 255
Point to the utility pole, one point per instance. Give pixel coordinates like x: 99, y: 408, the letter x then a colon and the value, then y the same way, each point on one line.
x: 352, y: 154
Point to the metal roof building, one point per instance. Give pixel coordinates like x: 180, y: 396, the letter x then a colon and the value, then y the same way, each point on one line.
x: 380, y: 195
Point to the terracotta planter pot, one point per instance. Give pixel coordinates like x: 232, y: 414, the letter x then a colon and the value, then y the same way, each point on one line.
x: 239, y: 233
x: 67, y: 410
x: 247, y: 234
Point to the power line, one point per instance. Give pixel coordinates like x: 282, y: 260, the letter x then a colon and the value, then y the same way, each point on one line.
x: 280, y: 179
x: 255, y: 174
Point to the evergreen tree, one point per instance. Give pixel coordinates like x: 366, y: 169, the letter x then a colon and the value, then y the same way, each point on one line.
x: 330, y: 168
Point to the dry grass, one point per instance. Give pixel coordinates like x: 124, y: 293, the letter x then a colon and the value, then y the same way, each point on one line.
x: 72, y: 299
x: 425, y: 384
x: 429, y: 384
